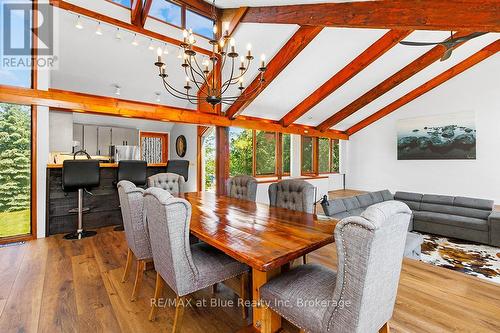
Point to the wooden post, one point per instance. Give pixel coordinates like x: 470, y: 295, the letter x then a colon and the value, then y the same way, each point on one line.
x: 222, y: 160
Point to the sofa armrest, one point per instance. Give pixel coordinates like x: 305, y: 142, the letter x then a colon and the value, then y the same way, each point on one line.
x: 494, y: 227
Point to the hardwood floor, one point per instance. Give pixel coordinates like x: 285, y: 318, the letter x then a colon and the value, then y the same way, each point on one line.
x: 55, y: 285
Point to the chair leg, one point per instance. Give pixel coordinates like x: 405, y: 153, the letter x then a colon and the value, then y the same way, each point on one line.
x: 158, y: 293
x: 243, y: 294
x: 266, y: 319
x: 179, y: 313
x: 385, y: 328
x: 304, y: 260
x: 138, y: 279
x: 128, y: 265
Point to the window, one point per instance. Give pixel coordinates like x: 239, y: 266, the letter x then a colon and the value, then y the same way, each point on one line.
x: 335, y: 156
x: 124, y: 3
x: 240, y: 151
x: 15, y: 76
x: 15, y: 170
x: 307, y: 154
x: 200, y: 25
x: 265, y: 153
x: 323, y: 155
x: 167, y: 11
x: 286, y: 153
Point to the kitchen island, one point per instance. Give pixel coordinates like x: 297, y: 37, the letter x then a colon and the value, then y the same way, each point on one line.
x: 104, y: 203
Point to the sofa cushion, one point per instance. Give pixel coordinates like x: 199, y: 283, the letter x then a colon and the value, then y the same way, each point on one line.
x: 376, y: 197
x: 386, y: 195
x: 333, y: 207
x: 341, y: 215
x: 438, y: 199
x: 454, y: 210
x: 366, y: 200
x: 411, y: 199
x: 454, y: 220
x: 351, y: 203
x: 474, y: 203
x: 356, y: 211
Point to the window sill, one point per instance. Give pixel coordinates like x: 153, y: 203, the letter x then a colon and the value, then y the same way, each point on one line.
x: 303, y: 177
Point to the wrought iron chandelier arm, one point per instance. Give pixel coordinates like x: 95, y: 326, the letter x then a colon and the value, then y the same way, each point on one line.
x: 178, y: 91
x: 193, y: 78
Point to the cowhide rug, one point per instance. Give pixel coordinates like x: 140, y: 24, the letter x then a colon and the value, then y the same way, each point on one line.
x: 463, y: 256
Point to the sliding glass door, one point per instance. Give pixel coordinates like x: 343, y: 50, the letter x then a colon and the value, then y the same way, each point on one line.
x: 15, y: 170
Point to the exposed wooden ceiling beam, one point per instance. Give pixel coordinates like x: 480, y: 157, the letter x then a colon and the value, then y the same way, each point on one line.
x: 120, y: 24
x: 302, y: 37
x: 474, y: 59
x: 145, y: 12
x: 394, y: 80
x: 477, y: 15
x: 78, y: 102
x: 236, y: 19
x: 201, y: 7
x: 135, y: 12
x: 368, y: 56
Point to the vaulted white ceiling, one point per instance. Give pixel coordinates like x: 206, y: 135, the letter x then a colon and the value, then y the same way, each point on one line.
x: 93, y: 64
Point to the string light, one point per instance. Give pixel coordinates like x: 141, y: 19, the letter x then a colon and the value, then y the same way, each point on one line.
x: 134, y: 41
x: 158, y: 97
x: 151, y: 46
x: 78, y: 23
x: 118, y: 34
x: 117, y: 90
x: 98, y: 30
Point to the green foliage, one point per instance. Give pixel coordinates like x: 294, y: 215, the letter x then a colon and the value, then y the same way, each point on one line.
x: 265, y: 153
x: 240, y: 148
x: 307, y: 152
x: 15, y: 157
x: 15, y: 223
x: 336, y: 157
x: 286, y: 153
x: 324, y: 155
x: 209, y: 158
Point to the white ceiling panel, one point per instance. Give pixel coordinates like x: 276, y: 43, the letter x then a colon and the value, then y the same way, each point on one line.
x: 92, y: 64
x: 385, y: 66
x: 265, y: 39
x: 459, y: 54
x: 328, y: 53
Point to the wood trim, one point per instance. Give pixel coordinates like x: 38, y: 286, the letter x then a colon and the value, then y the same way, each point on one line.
x: 69, y: 101
x: 145, y: 12
x: 394, y: 80
x: 222, y: 160
x: 200, y: 7
x: 372, y: 53
x: 302, y: 37
x: 477, y: 15
x: 120, y: 24
x: 201, y: 130
x: 34, y: 171
x: 474, y: 59
x: 254, y: 153
x: 164, y: 139
x: 135, y: 12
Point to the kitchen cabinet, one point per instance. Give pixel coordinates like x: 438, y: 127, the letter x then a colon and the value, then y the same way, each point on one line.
x: 103, y: 140
x: 78, y: 136
x: 124, y: 136
x: 90, y: 139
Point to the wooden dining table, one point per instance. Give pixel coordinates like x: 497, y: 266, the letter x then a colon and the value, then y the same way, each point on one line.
x: 265, y: 238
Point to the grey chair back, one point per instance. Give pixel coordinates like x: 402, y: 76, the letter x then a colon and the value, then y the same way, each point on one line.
x: 242, y: 187
x: 292, y: 194
x: 170, y: 182
x: 370, y: 252
x: 134, y: 220
x: 168, y: 223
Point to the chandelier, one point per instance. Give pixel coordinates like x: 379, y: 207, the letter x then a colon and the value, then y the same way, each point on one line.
x: 207, y: 75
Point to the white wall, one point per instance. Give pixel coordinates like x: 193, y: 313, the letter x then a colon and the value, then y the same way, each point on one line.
x: 191, y: 134
x: 372, y: 157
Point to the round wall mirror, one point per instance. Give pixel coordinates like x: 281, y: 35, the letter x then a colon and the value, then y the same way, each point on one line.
x: 180, y: 145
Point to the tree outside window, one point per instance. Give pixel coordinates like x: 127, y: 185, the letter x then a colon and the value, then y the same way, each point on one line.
x: 265, y: 153
x: 307, y: 154
x: 286, y: 153
x: 240, y: 151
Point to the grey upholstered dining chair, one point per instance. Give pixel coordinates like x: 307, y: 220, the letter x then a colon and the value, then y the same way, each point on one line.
x: 242, y: 187
x: 360, y: 296
x: 294, y: 194
x: 171, y: 182
x: 185, y: 268
x: 136, y: 234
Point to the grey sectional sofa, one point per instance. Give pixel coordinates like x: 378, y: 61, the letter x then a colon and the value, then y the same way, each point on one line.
x: 458, y: 217
x: 354, y: 206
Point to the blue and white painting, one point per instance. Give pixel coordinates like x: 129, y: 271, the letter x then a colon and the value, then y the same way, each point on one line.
x: 441, y: 137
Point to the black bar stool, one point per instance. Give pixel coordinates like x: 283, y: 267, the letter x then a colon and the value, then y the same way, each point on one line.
x: 134, y: 171
x: 80, y: 175
x: 180, y: 167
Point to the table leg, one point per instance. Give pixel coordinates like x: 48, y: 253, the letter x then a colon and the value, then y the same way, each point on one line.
x: 258, y: 279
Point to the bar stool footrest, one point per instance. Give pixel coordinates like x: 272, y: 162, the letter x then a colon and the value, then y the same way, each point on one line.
x: 80, y: 235
x: 75, y: 210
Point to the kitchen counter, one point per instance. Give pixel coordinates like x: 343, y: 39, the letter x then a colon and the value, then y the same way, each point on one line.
x: 109, y: 165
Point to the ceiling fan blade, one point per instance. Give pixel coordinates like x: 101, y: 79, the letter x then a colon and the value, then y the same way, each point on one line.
x: 418, y: 43
x: 468, y: 37
x: 447, y: 54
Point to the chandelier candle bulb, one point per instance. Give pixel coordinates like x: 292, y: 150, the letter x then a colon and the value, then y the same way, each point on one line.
x: 159, y: 53
x: 226, y: 28
x: 215, y: 29
x: 263, y: 61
